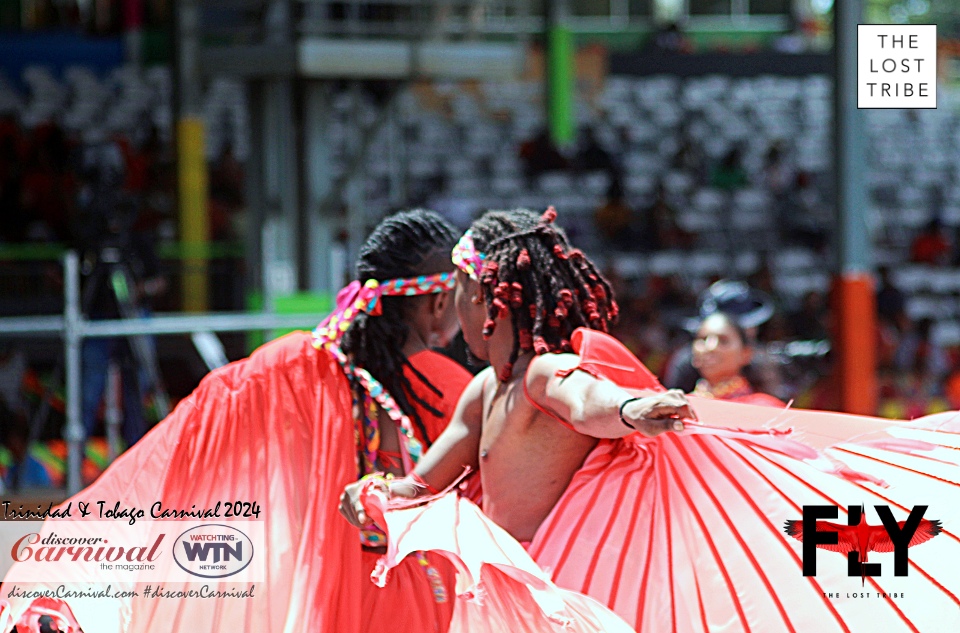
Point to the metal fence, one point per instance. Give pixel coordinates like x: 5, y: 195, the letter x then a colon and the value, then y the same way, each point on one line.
x: 73, y: 327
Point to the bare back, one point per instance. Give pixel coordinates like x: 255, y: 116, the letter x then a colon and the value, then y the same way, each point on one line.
x: 527, y: 458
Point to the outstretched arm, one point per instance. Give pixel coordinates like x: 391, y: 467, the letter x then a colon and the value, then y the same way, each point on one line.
x: 592, y: 405
x: 455, y: 449
x: 458, y: 445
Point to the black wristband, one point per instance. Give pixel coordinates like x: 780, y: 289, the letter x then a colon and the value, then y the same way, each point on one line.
x: 625, y: 403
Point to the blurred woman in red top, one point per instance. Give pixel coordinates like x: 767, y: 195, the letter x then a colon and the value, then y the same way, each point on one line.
x: 721, y: 352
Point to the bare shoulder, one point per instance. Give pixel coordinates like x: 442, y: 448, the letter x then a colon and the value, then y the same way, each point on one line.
x: 479, y: 383
x: 545, y: 366
x: 470, y: 406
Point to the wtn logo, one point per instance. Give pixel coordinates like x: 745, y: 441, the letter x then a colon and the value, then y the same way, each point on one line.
x: 220, y: 550
x: 213, y: 551
x: 857, y: 538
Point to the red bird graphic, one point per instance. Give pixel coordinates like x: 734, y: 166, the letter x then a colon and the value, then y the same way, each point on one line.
x: 863, y: 538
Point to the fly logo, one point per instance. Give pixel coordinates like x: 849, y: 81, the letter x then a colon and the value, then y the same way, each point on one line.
x: 213, y: 551
x: 858, y: 538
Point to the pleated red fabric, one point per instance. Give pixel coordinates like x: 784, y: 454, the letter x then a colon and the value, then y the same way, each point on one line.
x: 685, y: 532
x: 276, y: 429
x: 419, y: 596
x: 6, y: 615
x: 499, y: 587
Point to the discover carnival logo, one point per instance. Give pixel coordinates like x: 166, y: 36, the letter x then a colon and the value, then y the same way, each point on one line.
x: 213, y: 551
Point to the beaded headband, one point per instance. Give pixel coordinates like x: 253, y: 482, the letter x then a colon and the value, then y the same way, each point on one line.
x: 357, y: 298
x: 466, y: 256
x: 354, y: 299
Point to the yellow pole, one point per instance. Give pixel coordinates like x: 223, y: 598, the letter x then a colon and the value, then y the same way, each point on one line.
x: 194, y: 224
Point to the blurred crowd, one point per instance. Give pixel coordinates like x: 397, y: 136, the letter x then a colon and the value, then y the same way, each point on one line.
x: 52, y: 185
x: 919, y: 374
x: 109, y: 17
x: 92, y: 194
x: 49, y: 181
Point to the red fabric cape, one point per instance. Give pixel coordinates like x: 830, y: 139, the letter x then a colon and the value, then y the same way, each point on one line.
x: 276, y: 429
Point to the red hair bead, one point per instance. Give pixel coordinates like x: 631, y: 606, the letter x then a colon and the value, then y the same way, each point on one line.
x: 540, y: 346
x: 523, y: 259
x: 526, y: 339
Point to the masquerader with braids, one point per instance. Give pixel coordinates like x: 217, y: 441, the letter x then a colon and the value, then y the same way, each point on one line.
x: 598, y: 481
x: 519, y: 306
x: 281, y: 433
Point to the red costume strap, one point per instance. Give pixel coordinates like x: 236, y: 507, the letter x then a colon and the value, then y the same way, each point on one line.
x: 390, y: 459
x: 540, y: 408
x: 420, y: 481
x: 605, y: 358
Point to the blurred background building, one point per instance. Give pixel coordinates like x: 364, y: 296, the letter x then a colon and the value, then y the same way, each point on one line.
x: 242, y: 149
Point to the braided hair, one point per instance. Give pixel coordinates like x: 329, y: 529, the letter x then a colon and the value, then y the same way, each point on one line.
x: 531, y: 273
x: 406, y: 244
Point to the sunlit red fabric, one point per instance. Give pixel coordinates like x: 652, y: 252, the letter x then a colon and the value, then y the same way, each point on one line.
x: 683, y: 532
x: 275, y: 428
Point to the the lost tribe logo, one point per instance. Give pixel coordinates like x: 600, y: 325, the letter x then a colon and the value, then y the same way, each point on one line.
x: 213, y: 551
x: 858, y: 538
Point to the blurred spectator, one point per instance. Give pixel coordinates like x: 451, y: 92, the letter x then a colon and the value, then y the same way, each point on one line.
x: 669, y: 39
x: 660, y: 228
x: 809, y: 323
x: 13, y: 221
x: 591, y: 156
x: 226, y: 194
x: 616, y: 221
x: 890, y: 301
x: 689, y: 159
x: 540, y: 156
x: 778, y: 177
x: 721, y: 352
x: 931, y: 246
x: 115, y: 248
x: 920, y: 355
x: 730, y: 174
x: 14, y: 424
x: 805, y: 216
x: 751, y: 309
x: 669, y: 292
x: 141, y: 163
x: 48, y: 188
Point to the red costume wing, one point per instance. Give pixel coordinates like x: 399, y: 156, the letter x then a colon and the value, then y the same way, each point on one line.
x: 927, y: 529
x: 499, y: 587
x: 846, y: 535
x: 682, y: 532
x: 275, y: 429
x: 762, y: 400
